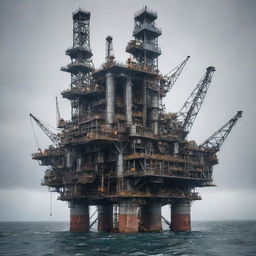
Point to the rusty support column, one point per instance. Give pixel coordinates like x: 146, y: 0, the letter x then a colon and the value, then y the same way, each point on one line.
x: 180, y: 215
x: 79, y: 217
x: 105, y: 218
x: 151, y: 217
x: 128, y: 217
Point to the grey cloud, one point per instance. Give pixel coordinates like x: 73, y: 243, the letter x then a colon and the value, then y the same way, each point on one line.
x: 35, y: 34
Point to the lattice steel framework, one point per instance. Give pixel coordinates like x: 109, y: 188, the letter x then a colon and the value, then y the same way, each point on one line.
x: 195, y: 100
x: 215, y: 141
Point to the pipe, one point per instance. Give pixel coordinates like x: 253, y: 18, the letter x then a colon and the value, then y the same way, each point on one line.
x: 155, y: 114
x: 120, y: 164
x: 128, y: 100
x: 110, y: 91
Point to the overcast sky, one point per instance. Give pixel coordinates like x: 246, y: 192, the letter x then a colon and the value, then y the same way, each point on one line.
x: 34, y: 36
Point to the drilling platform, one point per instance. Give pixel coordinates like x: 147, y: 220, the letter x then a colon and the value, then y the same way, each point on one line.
x: 121, y: 151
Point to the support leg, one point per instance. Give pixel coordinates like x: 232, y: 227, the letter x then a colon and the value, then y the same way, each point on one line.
x: 79, y: 217
x: 128, y: 217
x: 105, y: 218
x: 151, y: 217
x: 180, y: 216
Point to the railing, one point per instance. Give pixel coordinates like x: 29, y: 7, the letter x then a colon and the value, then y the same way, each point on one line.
x: 48, y: 153
x: 150, y: 27
x: 76, y: 64
x: 148, y: 45
x: 130, y: 65
x: 161, y: 193
x: 91, y: 136
x: 93, y: 117
x: 81, y: 90
x: 86, y: 48
x: 167, y: 158
x: 173, y: 172
x: 78, y: 194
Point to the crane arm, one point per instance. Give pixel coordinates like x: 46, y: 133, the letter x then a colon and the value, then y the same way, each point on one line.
x: 57, y: 112
x: 171, y: 77
x: 60, y: 121
x: 216, y: 140
x: 195, y: 100
x: 52, y: 136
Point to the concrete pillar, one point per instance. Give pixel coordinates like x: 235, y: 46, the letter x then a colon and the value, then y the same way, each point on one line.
x: 79, y: 217
x: 128, y: 100
x: 180, y: 215
x: 151, y: 217
x: 105, y: 218
x: 128, y: 217
x: 110, y: 97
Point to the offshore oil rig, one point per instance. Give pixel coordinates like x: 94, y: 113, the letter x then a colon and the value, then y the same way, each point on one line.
x: 121, y: 151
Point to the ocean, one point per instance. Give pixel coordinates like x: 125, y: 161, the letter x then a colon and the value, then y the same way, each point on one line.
x: 213, y: 238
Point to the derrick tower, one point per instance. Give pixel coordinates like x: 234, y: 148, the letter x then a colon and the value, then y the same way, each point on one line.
x: 144, y: 47
x: 121, y: 151
x: 80, y: 55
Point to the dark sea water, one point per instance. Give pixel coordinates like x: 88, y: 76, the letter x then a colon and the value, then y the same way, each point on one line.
x: 229, y: 238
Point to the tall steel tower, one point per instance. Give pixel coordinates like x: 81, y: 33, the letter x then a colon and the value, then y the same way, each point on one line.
x: 80, y: 54
x: 144, y: 47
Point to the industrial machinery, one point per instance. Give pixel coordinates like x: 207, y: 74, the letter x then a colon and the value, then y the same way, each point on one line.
x: 121, y: 151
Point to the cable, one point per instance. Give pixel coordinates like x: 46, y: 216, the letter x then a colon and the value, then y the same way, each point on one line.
x: 49, y: 125
x: 33, y: 128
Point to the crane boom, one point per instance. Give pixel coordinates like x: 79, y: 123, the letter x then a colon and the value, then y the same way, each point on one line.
x: 52, y: 136
x: 215, y: 141
x: 60, y: 121
x: 57, y: 112
x: 195, y: 100
x: 171, y: 77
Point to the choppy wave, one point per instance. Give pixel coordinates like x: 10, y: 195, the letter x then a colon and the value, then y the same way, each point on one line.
x: 53, y: 238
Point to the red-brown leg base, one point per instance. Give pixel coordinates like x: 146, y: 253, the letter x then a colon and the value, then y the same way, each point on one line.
x: 128, y: 223
x: 180, y: 222
x: 79, y: 217
x: 180, y: 215
x: 79, y: 223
